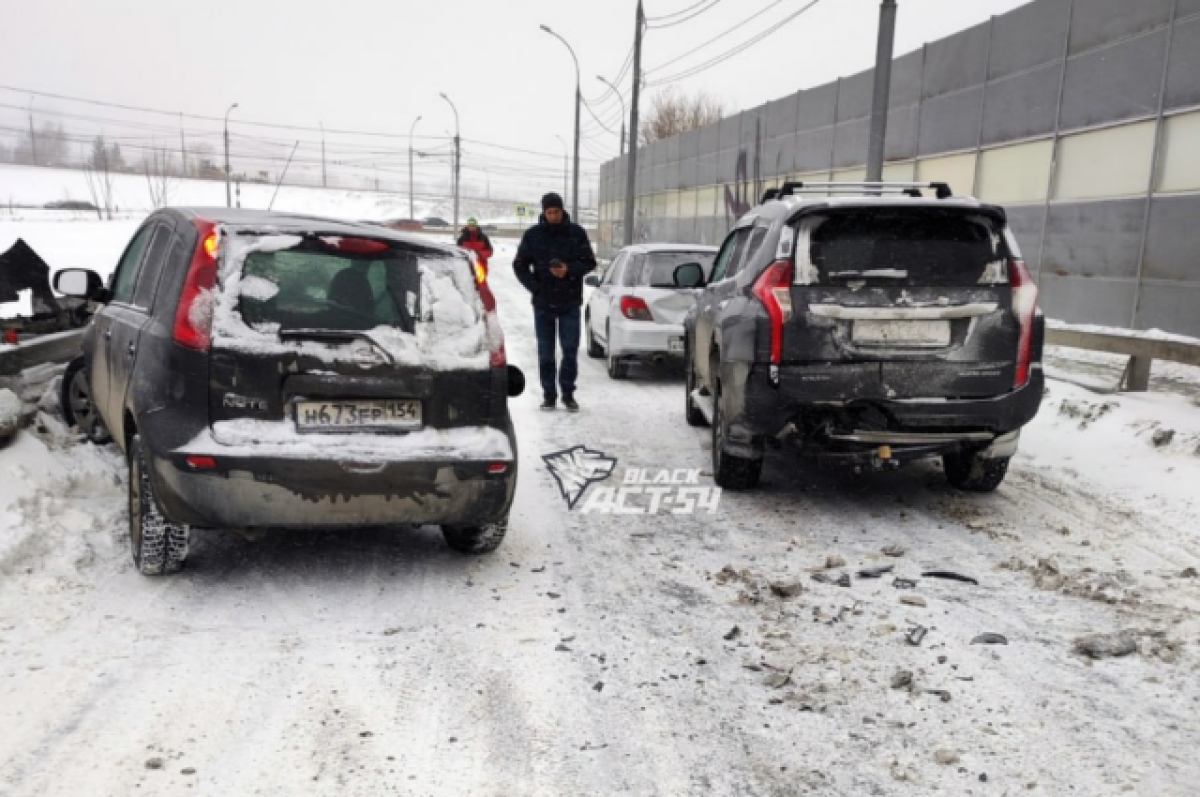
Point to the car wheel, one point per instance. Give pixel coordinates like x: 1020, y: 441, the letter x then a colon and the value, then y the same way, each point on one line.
x: 729, y: 471
x: 617, y: 369
x: 158, y: 545
x: 75, y: 400
x: 971, y: 472
x: 476, y: 539
x: 693, y: 414
x: 594, y: 349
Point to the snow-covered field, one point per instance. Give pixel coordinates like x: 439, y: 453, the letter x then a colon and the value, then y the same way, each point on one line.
x: 595, y: 655
x: 30, y: 186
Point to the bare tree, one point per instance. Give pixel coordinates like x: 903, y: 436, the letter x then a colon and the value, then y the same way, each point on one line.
x: 161, y: 175
x: 672, y: 113
x: 99, y: 173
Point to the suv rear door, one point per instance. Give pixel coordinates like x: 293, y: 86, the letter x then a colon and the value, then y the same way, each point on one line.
x: 321, y: 333
x: 902, y: 302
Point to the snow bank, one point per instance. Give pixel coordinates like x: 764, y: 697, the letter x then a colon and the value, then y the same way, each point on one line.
x: 1143, y: 334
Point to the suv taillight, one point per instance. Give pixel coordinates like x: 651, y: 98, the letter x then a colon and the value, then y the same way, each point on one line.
x: 635, y: 309
x: 495, y: 334
x: 774, y: 290
x: 193, y: 317
x: 1024, y: 307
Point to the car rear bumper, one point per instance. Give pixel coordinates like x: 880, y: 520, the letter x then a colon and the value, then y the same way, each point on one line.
x: 249, y: 491
x: 645, y: 339
x: 921, y: 427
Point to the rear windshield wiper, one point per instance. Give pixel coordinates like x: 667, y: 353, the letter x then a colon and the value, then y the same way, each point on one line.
x: 335, y: 336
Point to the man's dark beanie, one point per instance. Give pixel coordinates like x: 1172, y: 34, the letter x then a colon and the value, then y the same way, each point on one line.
x: 552, y: 200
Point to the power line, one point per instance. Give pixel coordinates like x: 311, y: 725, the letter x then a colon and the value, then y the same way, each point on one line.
x: 677, y: 13
x: 695, y: 70
x: 710, y: 7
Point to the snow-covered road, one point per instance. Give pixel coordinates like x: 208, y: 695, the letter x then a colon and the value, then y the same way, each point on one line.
x: 597, y: 654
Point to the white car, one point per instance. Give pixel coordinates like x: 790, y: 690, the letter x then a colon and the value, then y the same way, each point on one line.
x: 635, y: 312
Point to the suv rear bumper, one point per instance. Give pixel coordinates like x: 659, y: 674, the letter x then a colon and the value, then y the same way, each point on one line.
x: 255, y: 492
x: 770, y: 412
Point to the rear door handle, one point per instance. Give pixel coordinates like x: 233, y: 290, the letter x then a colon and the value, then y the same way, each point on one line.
x: 132, y: 348
x: 108, y: 334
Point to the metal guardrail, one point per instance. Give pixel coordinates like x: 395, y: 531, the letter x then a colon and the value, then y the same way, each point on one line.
x: 58, y: 347
x: 1142, y: 351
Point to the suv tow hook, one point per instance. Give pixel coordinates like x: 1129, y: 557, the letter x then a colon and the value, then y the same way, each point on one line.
x: 883, y: 459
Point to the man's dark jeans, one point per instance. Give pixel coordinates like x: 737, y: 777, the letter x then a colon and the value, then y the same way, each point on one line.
x: 563, y: 324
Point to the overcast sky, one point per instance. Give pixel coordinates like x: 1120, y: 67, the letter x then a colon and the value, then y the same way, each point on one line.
x: 376, y: 65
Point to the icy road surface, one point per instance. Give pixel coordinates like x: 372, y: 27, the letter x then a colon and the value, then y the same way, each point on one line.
x: 599, y: 655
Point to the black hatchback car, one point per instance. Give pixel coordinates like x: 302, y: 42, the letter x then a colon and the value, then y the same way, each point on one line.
x: 265, y: 370
x: 868, y: 324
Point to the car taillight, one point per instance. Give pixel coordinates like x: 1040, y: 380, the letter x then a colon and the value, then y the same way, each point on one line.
x: 193, y: 317
x: 635, y: 309
x: 497, y: 468
x: 498, y: 356
x: 774, y: 290
x: 202, y: 463
x: 1024, y: 307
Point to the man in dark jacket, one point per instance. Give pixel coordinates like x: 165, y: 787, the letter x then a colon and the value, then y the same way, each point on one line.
x: 551, y: 262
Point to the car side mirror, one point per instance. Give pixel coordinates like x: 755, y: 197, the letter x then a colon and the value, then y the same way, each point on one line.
x: 592, y: 281
x: 516, y: 381
x: 689, y: 275
x: 81, y: 283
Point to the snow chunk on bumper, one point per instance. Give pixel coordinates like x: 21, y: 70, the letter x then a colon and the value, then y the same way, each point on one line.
x: 280, y: 440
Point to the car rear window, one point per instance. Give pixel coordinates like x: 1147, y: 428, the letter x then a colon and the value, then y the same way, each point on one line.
x: 910, y: 247
x: 315, y: 287
x: 658, y: 268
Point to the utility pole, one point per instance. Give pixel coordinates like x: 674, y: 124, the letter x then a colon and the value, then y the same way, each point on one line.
x: 182, y: 148
x: 412, y: 213
x: 631, y: 174
x: 228, y: 192
x: 566, y: 183
x: 578, y: 105
x: 457, y: 157
x: 324, y: 178
x: 32, y: 134
x: 883, y: 84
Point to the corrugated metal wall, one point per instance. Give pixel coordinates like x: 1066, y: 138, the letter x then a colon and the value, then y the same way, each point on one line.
x: 1082, y: 117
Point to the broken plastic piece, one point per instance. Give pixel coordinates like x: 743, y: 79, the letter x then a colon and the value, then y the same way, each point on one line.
x: 990, y: 639
x: 916, y: 634
x: 904, y: 583
x: 950, y: 576
x: 875, y: 572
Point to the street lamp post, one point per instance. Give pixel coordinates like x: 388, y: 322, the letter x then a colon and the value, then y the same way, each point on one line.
x: 412, y: 213
x: 457, y: 157
x: 578, y: 102
x: 616, y: 91
x: 32, y: 135
x: 566, y: 184
x: 228, y: 192
x: 876, y: 151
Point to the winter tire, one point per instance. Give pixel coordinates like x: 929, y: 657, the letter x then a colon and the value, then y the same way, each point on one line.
x: 617, y: 369
x: 971, y: 472
x: 730, y: 472
x: 476, y: 539
x: 691, y: 412
x: 75, y: 400
x: 594, y: 349
x: 158, y: 546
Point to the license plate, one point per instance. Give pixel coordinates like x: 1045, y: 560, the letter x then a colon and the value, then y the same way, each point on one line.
x: 675, y: 344
x: 350, y: 415
x: 901, y: 333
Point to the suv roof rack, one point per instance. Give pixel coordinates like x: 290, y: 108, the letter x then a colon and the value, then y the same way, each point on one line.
x: 942, y: 190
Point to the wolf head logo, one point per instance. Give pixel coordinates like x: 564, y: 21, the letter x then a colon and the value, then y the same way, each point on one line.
x: 575, y: 468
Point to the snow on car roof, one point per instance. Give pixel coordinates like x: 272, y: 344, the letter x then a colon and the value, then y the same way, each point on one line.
x: 651, y: 248
x: 299, y: 223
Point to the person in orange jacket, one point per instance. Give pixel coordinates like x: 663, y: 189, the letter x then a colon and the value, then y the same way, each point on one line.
x: 477, y: 241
